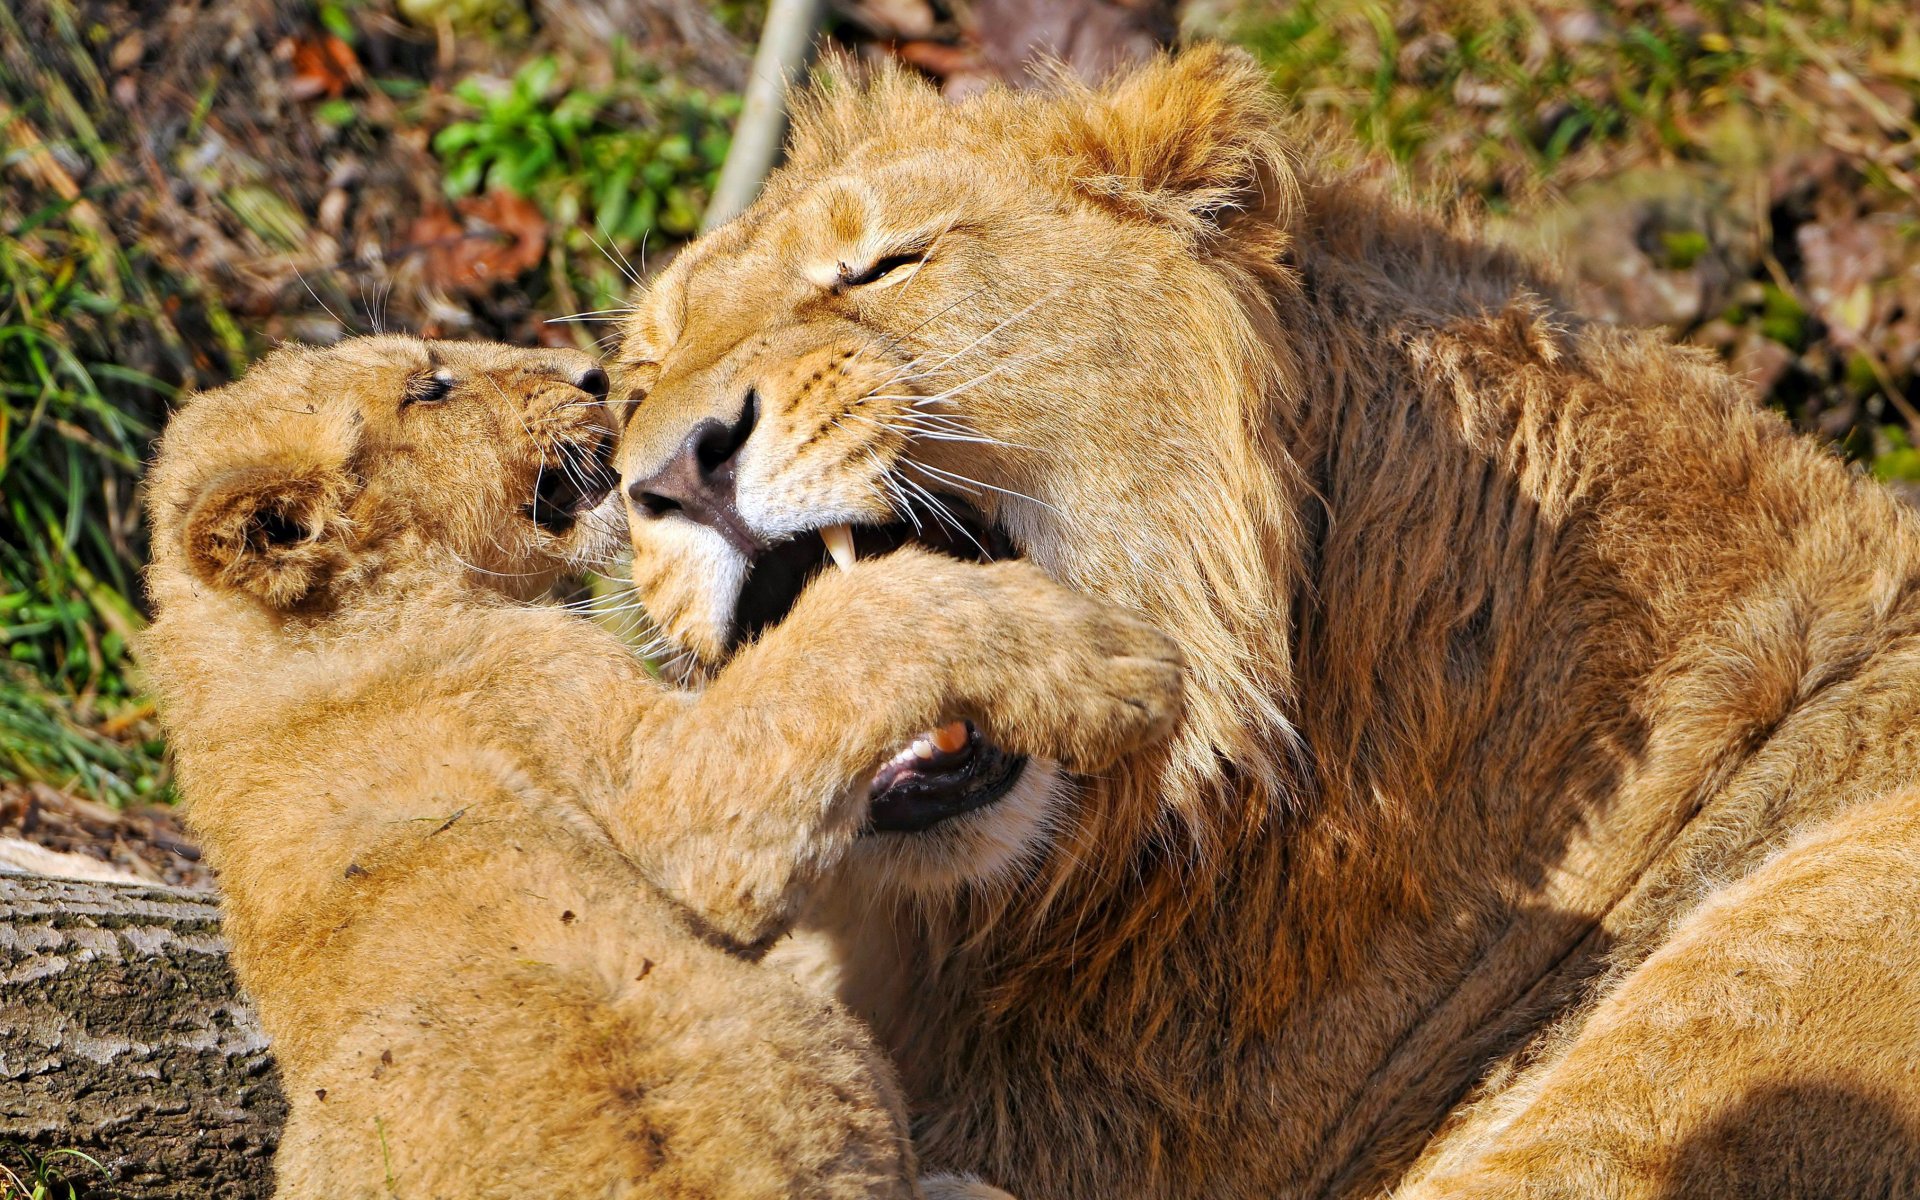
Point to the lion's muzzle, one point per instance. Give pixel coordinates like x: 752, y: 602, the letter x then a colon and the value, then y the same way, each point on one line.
x: 698, y: 479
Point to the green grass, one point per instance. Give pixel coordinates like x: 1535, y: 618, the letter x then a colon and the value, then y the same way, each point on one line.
x: 616, y: 164
x: 45, y: 1178
x: 1500, y: 97
x: 45, y: 735
x: 99, y: 330
x: 74, y: 428
x: 637, y: 155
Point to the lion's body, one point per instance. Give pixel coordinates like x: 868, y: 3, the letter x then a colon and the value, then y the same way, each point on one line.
x: 1520, y: 646
x: 497, y: 891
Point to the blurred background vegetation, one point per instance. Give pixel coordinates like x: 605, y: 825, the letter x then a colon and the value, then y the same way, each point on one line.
x: 184, y: 185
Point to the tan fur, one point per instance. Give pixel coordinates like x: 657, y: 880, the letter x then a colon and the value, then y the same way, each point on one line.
x: 1512, y: 639
x: 497, y: 892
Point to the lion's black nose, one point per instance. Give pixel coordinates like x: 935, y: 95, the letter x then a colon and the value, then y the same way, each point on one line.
x: 698, y: 478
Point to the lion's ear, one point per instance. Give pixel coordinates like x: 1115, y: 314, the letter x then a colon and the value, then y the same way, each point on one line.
x: 1191, y: 141
x: 275, y: 531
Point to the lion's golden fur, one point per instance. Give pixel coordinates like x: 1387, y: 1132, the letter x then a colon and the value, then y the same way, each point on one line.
x: 1519, y: 647
x: 498, y: 893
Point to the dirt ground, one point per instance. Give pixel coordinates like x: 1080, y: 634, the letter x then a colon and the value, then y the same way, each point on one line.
x: 144, y: 843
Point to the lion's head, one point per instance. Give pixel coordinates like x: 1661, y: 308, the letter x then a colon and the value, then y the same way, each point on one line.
x: 952, y: 326
x: 325, y: 467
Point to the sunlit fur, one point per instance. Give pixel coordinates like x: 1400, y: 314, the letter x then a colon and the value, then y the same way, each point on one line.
x: 1512, y: 638
x: 497, y: 892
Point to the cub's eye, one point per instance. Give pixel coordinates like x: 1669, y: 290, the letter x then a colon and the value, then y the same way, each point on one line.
x: 878, y: 269
x: 428, y: 389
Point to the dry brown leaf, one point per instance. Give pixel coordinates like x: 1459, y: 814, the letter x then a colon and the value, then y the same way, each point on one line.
x: 939, y: 59
x: 322, y: 66
x: 485, y: 241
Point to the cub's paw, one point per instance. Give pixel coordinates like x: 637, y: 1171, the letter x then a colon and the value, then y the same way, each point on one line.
x: 1082, y: 682
x: 1041, y: 669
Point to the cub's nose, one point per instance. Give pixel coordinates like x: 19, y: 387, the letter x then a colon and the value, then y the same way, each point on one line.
x: 697, y: 478
x: 576, y: 367
x: 592, y: 381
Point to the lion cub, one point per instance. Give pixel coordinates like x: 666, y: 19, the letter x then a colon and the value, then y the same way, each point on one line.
x: 497, y: 892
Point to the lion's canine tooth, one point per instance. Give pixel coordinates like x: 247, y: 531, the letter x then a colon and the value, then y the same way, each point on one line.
x: 950, y: 738
x: 839, y: 540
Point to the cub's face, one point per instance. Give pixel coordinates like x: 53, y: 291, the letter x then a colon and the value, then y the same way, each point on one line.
x: 322, y: 465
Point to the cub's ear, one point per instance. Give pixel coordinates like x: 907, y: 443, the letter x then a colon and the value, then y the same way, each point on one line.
x: 1192, y: 141
x: 277, y: 532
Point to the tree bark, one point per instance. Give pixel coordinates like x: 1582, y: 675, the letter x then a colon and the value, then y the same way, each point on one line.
x: 123, y: 1035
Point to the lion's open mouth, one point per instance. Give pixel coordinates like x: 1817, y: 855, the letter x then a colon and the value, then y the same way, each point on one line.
x: 947, y: 771
x: 574, y: 486
x: 778, y: 575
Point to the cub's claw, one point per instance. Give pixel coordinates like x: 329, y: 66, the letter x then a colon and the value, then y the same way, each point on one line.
x: 1111, y: 690
x: 1040, y: 669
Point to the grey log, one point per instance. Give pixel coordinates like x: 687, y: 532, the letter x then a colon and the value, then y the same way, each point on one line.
x: 122, y: 1035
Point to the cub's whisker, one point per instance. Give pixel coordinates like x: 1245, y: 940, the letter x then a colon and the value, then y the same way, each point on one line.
x: 620, y: 264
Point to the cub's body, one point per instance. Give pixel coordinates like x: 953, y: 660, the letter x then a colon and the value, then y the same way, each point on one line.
x: 449, y: 951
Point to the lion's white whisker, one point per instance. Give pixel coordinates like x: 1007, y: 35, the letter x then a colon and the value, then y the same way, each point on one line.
x: 963, y: 481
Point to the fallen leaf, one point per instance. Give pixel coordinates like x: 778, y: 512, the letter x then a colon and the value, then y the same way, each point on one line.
x: 322, y: 66
x: 938, y: 59
x: 486, y: 240
x: 128, y: 51
x: 1090, y: 37
x: 1842, y: 260
x: 895, y: 18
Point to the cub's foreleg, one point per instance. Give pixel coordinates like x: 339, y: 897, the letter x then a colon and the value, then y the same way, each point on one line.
x: 1770, y: 1049
x: 742, y: 795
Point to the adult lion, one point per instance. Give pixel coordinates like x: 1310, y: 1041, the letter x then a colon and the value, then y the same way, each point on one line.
x: 1535, y: 826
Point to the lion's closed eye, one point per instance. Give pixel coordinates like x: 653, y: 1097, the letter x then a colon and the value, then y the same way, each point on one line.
x: 849, y: 276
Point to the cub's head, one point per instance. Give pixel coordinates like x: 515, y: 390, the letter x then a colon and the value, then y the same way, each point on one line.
x: 323, y: 468
x: 1037, y: 325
